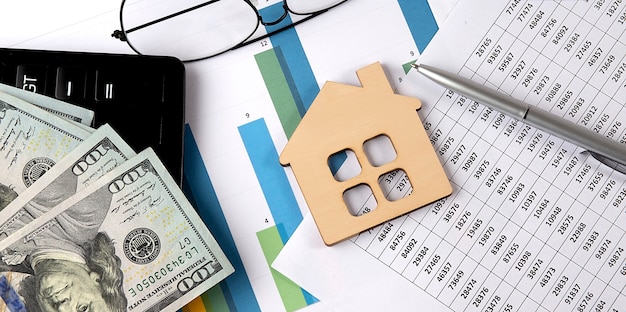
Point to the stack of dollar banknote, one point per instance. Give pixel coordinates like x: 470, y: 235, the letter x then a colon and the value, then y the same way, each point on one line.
x: 88, y: 224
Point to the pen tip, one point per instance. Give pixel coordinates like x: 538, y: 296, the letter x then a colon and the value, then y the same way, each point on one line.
x: 415, y: 65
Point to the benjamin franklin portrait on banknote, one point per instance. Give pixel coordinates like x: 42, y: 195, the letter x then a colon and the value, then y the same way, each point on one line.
x: 72, y: 266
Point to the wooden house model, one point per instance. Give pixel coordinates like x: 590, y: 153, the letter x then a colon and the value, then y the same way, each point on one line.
x: 343, y: 117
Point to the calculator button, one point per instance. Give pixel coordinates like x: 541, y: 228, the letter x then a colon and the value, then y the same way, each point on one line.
x: 107, y: 86
x: 31, y: 78
x: 167, y: 93
x: 3, y: 72
x: 70, y: 83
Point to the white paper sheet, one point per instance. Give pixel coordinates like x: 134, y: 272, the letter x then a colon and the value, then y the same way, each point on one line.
x: 533, y: 223
x: 228, y: 91
x: 231, y: 95
x: 346, y: 277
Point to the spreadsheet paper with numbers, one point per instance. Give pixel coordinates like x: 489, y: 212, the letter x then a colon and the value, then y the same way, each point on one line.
x: 534, y: 222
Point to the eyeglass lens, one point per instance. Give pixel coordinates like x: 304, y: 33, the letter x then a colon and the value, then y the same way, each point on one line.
x: 192, y: 29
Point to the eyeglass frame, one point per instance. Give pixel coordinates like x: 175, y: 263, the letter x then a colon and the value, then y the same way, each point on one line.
x: 121, y: 34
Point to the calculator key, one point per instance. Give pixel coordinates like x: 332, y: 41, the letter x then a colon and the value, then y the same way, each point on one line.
x: 109, y: 85
x: 31, y: 78
x: 168, y: 93
x: 70, y: 83
x: 3, y: 72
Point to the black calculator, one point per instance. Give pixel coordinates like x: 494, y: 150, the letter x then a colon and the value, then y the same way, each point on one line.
x: 141, y: 97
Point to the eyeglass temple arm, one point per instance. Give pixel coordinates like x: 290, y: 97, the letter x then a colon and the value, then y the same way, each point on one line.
x: 121, y: 35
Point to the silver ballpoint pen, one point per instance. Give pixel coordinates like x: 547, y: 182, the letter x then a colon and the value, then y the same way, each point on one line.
x: 606, y: 150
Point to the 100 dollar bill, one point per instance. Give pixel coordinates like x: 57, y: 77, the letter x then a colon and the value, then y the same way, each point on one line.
x: 135, y: 222
x: 31, y: 142
x: 97, y: 155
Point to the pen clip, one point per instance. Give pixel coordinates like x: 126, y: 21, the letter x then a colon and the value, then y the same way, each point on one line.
x: 609, y: 162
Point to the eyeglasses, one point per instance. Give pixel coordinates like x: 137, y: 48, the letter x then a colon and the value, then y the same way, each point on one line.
x: 193, y: 30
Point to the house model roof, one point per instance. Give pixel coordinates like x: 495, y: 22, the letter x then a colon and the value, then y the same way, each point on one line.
x: 342, y: 118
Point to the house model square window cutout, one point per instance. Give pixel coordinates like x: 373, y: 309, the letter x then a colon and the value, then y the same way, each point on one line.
x: 386, y: 138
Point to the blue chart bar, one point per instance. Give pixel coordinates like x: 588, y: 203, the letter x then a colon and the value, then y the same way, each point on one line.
x: 298, y: 70
x: 199, y: 190
x: 272, y: 177
x: 421, y: 21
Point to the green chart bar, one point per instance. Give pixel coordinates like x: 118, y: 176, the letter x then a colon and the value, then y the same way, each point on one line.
x: 292, y: 295
x: 279, y: 90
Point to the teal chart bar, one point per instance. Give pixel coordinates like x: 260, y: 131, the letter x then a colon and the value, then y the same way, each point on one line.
x: 419, y: 17
x: 236, y: 289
